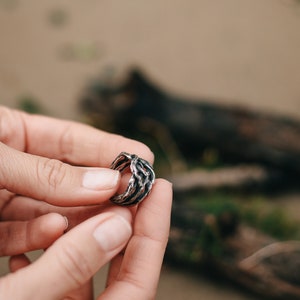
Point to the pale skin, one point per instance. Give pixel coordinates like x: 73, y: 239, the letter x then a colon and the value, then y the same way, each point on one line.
x: 50, y: 170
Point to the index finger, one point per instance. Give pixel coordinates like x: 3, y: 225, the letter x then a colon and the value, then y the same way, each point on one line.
x: 67, y: 141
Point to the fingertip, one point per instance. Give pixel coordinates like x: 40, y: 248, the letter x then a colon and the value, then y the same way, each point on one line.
x: 18, y: 262
x: 164, y: 188
x: 54, y: 223
x: 165, y: 182
x: 47, y: 229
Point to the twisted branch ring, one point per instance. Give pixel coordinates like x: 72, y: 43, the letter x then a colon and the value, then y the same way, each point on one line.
x: 140, y: 182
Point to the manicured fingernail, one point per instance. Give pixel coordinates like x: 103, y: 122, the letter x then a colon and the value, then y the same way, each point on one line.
x: 100, y: 179
x: 114, y: 232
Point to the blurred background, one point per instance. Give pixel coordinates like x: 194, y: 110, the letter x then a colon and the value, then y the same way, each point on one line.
x: 234, y: 53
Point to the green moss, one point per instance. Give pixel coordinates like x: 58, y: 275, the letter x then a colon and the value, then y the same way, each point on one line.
x: 255, y: 211
x: 215, y: 203
x: 219, y: 215
x: 273, y: 221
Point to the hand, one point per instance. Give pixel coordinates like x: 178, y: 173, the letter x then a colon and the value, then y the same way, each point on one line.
x: 74, y: 258
x: 34, y: 181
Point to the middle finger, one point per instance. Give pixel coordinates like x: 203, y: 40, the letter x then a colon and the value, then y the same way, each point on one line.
x: 22, y: 236
x: 23, y: 209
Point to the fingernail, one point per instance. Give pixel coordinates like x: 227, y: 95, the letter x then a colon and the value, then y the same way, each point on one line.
x: 111, y: 234
x: 100, y: 179
x: 67, y: 222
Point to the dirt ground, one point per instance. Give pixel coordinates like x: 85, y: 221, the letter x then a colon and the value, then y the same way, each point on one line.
x: 235, y: 52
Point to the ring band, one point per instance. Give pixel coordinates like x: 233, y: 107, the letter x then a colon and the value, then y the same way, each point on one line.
x: 140, y: 182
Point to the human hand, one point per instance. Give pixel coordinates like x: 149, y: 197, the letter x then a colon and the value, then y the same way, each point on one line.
x: 74, y: 258
x: 34, y: 181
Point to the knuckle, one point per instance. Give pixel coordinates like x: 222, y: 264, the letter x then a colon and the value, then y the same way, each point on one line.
x: 74, y: 264
x: 51, y: 172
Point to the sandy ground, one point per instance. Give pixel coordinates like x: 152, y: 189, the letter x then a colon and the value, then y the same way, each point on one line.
x: 236, y: 51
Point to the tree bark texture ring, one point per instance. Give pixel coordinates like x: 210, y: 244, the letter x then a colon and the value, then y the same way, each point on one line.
x: 140, y: 182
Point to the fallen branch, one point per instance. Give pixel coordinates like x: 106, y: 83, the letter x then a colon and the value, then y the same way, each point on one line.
x: 227, y: 177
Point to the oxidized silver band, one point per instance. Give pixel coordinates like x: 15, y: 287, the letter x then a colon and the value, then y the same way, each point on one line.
x: 140, y: 183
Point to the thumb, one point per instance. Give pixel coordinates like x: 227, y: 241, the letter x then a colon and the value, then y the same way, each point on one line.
x: 72, y: 260
x: 53, y: 181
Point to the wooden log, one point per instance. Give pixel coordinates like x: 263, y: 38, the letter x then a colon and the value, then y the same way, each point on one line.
x: 240, y: 177
x: 237, y: 133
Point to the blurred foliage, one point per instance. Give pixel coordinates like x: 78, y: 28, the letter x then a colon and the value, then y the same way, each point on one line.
x: 226, y: 212
x: 30, y: 104
x: 215, y: 203
x: 206, y: 219
x: 254, y: 210
x: 58, y: 17
x: 211, y: 158
x: 272, y: 220
x: 85, y: 51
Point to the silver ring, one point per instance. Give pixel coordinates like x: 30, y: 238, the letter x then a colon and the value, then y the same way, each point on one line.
x: 140, y: 182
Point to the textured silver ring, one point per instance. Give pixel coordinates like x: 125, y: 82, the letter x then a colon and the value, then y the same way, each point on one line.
x: 140, y: 182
